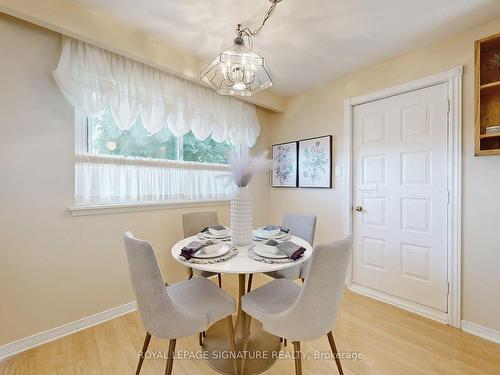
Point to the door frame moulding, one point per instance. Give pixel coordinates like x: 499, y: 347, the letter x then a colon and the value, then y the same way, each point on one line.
x: 453, y: 79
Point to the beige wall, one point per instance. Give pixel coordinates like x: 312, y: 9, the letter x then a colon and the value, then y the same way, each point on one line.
x: 320, y: 111
x: 55, y: 268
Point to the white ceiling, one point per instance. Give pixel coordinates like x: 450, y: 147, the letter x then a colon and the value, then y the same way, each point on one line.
x: 306, y: 42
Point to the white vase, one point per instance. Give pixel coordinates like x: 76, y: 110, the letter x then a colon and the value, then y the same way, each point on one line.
x: 241, y: 217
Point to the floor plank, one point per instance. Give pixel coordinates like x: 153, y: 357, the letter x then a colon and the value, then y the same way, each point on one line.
x: 391, y: 340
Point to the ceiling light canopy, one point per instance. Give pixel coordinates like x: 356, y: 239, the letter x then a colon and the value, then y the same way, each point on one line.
x: 238, y: 70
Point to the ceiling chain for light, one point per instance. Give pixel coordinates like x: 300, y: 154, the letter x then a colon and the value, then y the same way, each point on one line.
x: 238, y: 70
x: 248, y: 32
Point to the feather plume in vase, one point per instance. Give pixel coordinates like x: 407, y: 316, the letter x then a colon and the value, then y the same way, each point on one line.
x: 243, y: 168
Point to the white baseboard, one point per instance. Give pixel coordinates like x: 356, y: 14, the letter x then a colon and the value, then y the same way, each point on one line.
x: 413, y: 307
x: 22, y: 345
x: 477, y: 330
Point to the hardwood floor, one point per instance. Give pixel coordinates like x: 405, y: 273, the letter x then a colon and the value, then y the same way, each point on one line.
x: 392, y: 342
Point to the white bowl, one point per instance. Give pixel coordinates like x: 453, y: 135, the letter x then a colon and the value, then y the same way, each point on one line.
x: 219, y: 233
x: 262, y: 233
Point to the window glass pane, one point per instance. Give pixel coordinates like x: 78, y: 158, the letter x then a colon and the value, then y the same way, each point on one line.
x: 105, y: 138
x: 207, y: 151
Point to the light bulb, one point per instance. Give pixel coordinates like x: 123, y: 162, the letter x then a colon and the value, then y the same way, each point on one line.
x: 249, y: 75
x: 237, y: 73
x: 239, y: 86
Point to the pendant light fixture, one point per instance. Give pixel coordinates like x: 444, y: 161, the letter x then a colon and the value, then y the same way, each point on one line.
x: 238, y: 70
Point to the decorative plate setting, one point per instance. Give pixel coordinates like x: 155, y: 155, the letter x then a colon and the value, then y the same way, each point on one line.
x: 209, y: 235
x: 212, y: 251
x: 226, y: 232
x: 266, y: 235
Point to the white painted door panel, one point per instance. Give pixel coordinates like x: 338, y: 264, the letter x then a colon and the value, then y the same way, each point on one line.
x: 400, y: 181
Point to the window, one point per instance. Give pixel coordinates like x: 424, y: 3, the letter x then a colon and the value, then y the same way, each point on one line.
x: 114, y: 166
x: 105, y: 138
x: 131, y: 164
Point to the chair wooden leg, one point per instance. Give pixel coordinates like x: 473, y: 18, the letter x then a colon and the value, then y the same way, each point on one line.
x: 298, y: 358
x: 200, y: 338
x: 248, y: 320
x: 170, y: 360
x: 219, y: 277
x: 250, y: 278
x: 285, y: 342
x: 334, y: 351
x: 232, y: 343
x: 144, y: 349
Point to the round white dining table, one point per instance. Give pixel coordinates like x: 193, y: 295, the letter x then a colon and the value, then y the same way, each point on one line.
x: 263, y: 348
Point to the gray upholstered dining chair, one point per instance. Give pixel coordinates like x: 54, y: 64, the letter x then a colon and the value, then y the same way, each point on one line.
x: 193, y: 223
x: 302, y: 226
x: 307, y: 312
x: 178, y: 310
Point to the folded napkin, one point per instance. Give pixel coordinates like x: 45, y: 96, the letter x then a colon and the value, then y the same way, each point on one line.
x: 271, y: 227
x: 193, y: 247
x: 272, y: 243
x: 290, y: 249
x: 274, y: 227
x: 214, y: 227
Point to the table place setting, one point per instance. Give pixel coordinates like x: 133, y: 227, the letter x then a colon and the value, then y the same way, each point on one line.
x: 272, y: 244
x: 270, y: 231
x: 215, y: 233
x: 274, y: 253
x: 212, y: 246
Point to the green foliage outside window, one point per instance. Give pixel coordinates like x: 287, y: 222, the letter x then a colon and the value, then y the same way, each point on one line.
x: 207, y: 151
x: 105, y: 138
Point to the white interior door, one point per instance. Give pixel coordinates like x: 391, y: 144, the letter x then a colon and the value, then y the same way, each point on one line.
x: 400, y: 190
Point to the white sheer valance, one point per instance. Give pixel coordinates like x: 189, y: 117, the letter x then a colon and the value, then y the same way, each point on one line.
x: 94, y: 79
x: 108, y: 179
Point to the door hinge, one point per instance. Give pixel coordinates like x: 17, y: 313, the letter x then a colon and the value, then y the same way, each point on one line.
x: 449, y: 105
x: 447, y: 288
x: 449, y: 197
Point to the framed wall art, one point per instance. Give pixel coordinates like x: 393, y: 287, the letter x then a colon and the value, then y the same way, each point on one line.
x: 284, y: 173
x: 315, y: 162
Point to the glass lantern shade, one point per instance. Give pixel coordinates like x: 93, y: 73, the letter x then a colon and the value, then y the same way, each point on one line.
x: 237, y: 71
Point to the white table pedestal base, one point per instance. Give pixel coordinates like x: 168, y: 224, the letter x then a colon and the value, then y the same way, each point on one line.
x: 260, y: 343
x: 263, y: 348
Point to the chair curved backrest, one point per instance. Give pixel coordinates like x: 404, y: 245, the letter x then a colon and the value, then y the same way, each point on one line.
x: 159, y: 315
x: 315, y: 310
x: 301, y: 225
x: 194, y: 222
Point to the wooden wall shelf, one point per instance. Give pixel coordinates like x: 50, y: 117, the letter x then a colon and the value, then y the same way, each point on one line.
x: 489, y: 85
x: 492, y: 135
x: 487, y: 95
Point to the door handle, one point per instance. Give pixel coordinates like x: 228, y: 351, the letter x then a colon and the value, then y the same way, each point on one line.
x: 358, y: 209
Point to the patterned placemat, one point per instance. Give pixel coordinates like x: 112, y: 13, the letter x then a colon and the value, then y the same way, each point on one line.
x: 258, y: 258
x: 233, y: 251
x: 202, y: 237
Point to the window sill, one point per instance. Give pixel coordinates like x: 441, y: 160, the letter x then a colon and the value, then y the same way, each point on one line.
x: 112, y: 208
